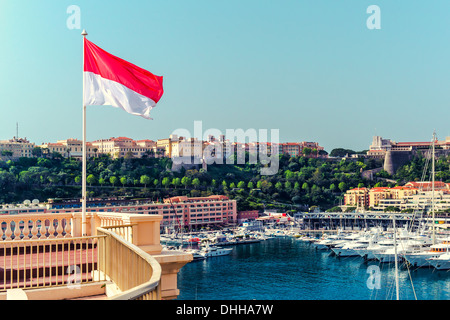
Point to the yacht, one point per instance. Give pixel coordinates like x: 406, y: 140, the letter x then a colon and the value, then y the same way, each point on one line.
x: 357, y: 243
x: 403, y: 248
x: 374, y: 248
x: 442, y: 262
x: 196, y: 254
x: 420, y: 259
x: 215, y: 251
x: 331, y: 241
x: 352, y: 248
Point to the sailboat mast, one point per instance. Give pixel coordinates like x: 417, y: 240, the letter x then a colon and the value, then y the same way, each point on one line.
x: 395, y: 258
x: 432, y: 188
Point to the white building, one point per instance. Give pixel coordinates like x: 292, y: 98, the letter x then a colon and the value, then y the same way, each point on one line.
x: 16, y: 148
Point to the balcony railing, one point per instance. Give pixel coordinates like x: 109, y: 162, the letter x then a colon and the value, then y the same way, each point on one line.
x: 32, y: 264
x: 39, y: 251
x: 136, y: 273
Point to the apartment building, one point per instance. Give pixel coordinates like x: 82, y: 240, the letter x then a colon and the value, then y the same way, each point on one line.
x: 69, y: 148
x: 200, y: 211
x: 16, y: 148
x: 357, y: 197
x: 123, y: 146
x: 192, y: 212
x: 420, y: 201
x: 382, y: 197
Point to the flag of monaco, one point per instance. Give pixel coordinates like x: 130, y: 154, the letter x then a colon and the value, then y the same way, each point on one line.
x: 109, y: 80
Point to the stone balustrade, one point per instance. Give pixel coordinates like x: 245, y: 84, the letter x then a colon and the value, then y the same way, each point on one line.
x: 141, y: 230
x: 35, y: 226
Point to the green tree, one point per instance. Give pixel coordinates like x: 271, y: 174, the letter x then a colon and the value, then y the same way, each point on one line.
x: 113, y: 180
x: 165, y: 182
x: 307, y: 151
x: 91, y: 179
x: 196, y: 183
x: 287, y: 185
x: 145, y: 180
x: 186, y: 181
x: 176, y: 182
x: 36, y: 152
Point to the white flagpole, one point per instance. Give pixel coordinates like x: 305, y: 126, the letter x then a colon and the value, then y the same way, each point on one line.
x: 83, y: 188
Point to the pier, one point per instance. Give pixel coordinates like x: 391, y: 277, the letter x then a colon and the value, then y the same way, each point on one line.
x: 331, y: 221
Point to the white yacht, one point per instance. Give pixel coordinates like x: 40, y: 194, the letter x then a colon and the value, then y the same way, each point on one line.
x: 331, y: 241
x: 357, y: 243
x: 403, y: 248
x: 196, y: 254
x: 442, y: 262
x: 374, y: 248
x: 324, y: 244
x: 420, y: 259
x: 215, y: 251
x: 352, y: 248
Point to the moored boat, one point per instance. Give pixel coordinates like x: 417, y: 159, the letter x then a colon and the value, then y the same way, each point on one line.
x: 212, y: 251
x: 442, y: 262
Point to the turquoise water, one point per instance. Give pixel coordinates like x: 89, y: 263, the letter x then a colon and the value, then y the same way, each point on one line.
x: 289, y: 269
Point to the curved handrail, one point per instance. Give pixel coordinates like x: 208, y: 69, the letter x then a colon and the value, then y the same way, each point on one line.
x: 149, y: 288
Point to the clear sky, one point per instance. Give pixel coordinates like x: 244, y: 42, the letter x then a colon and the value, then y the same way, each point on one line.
x: 310, y: 68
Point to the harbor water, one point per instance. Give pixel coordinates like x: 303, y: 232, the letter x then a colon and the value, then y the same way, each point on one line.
x: 290, y: 269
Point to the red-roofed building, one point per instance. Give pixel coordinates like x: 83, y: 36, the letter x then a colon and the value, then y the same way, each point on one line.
x: 199, y: 211
x: 428, y: 186
x: 377, y: 194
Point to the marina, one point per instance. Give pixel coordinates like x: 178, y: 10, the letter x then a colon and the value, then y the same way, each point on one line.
x: 292, y: 268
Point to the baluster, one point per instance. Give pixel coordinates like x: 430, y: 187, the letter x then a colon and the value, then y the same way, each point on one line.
x: 59, y: 229
x: 8, y: 231
x: 34, y: 230
x: 26, y: 230
x: 68, y: 229
x: 51, y: 230
x: 43, y: 230
x: 1, y: 230
x: 17, y: 232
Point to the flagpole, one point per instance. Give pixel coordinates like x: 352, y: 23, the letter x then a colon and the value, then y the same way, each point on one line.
x: 83, y: 188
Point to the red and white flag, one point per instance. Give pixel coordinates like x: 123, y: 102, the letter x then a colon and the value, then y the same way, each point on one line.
x: 109, y: 80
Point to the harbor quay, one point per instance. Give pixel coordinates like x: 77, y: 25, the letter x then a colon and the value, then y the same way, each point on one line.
x: 366, y: 220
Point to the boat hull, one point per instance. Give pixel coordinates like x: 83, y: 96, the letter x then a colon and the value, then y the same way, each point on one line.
x: 420, y: 260
x: 340, y: 252
x: 440, y: 264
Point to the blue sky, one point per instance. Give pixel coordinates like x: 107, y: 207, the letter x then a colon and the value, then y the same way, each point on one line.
x: 311, y: 69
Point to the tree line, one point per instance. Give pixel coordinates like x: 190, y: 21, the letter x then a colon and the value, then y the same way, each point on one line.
x: 301, y: 182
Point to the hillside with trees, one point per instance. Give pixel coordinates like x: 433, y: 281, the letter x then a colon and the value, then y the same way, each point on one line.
x: 301, y: 182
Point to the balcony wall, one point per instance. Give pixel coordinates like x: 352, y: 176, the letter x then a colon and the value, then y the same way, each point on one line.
x: 139, y: 230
